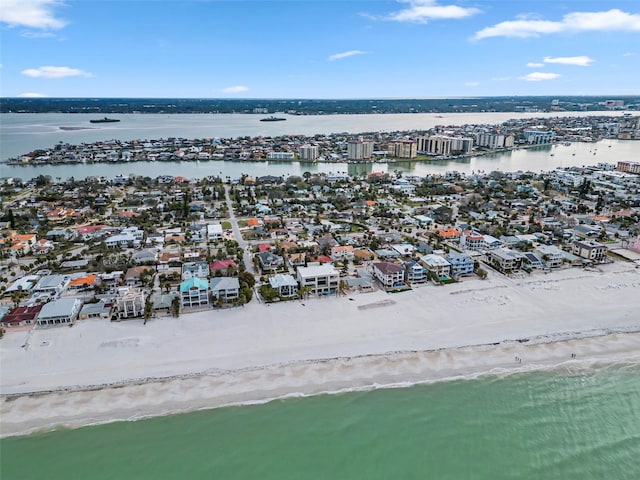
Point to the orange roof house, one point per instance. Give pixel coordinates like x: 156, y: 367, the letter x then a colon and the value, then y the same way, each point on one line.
x: 253, y: 222
x: 83, y: 282
x: 448, y: 233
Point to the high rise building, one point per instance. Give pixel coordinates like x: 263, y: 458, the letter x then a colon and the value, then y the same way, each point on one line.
x: 309, y: 152
x: 403, y: 149
x: 360, y: 149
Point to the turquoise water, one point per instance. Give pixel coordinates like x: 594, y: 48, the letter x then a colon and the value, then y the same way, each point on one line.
x: 525, y: 426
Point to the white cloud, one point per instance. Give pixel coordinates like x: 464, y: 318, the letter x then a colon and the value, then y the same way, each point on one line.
x: 55, y: 72
x: 540, y: 76
x: 581, y: 61
x: 235, y: 89
x: 535, y: 65
x: 422, y: 11
x: 350, y: 53
x: 501, y: 79
x: 471, y: 84
x: 34, y: 34
x: 611, y: 20
x: 32, y: 95
x: 628, y: 54
x: 31, y: 13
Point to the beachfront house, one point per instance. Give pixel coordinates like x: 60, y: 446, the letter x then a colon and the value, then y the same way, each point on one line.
x: 436, y: 265
x: 130, y: 303
x: 389, y: 274
x: 102, y: 310
x: 21, y: 316
x: 319, y: 279
x: 590, y: 250
x: 194, y: 292
x: 227, y: 288
x: 461, y: 264
x: 414, y: 271
x: 552, y: 256
x: 60, y: 312
x: 285, y: 284
x: 505, y: 259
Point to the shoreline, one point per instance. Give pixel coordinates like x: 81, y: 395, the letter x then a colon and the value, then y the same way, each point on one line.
x: 137, y: 399
x: 98, y: 372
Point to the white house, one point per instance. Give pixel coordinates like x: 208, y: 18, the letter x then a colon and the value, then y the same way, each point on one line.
x: 60, y: 312
x: 388, y: 274
x: 214, y: 232
x: 320, y: 279
x: 285, y: 284
x: 436, y: 264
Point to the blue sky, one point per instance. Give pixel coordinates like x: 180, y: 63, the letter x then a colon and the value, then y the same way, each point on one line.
x: 318, y: 49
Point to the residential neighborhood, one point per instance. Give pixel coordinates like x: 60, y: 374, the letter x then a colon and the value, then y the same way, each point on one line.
x: 134, y: 247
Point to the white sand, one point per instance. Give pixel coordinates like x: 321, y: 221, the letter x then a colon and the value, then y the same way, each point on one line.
x: 258, y: 352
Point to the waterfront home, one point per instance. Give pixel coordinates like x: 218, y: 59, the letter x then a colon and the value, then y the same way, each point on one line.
x: 194, y: 292
x: 414, y: 271
x: 226, y: 288
x: 551, y: 255
x: 20, y: 316
x: 436, y: 265
x: 388, y: 274
x: 319, y: 279
x: 533, y: 260
x: 461, y: 264
x: 60, y: 312
x: 102, y: 310
x: 590, y: 250
x: 505, y: 259
x: 285, y: 284
x: 130, y: 303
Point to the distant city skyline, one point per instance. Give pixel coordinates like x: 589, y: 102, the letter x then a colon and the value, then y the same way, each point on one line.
x: 318, y: 49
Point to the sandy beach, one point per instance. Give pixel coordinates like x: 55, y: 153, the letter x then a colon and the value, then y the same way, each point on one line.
x: 99, y: 371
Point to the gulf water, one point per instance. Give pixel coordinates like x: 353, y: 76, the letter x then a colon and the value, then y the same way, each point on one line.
x: 540, y: 425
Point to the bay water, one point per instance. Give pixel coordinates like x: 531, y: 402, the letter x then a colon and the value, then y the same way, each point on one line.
x: 539, y: 425
x: 23, y: 133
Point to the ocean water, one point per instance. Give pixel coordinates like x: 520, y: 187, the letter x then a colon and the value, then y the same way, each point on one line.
x: 540, y: 425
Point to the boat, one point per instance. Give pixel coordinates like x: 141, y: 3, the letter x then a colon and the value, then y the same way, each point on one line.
x: 273, y: 119
x: 104, y: 120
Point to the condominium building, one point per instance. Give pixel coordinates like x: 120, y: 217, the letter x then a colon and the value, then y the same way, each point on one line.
x: 461, y: 145
x: 403, y: 149
x: 309, y: 152
x: 436, y: 144
x: 360, y: 149
x: 538, y: 137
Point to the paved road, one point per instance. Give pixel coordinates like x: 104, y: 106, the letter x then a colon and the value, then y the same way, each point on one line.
x: 248, y: 260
